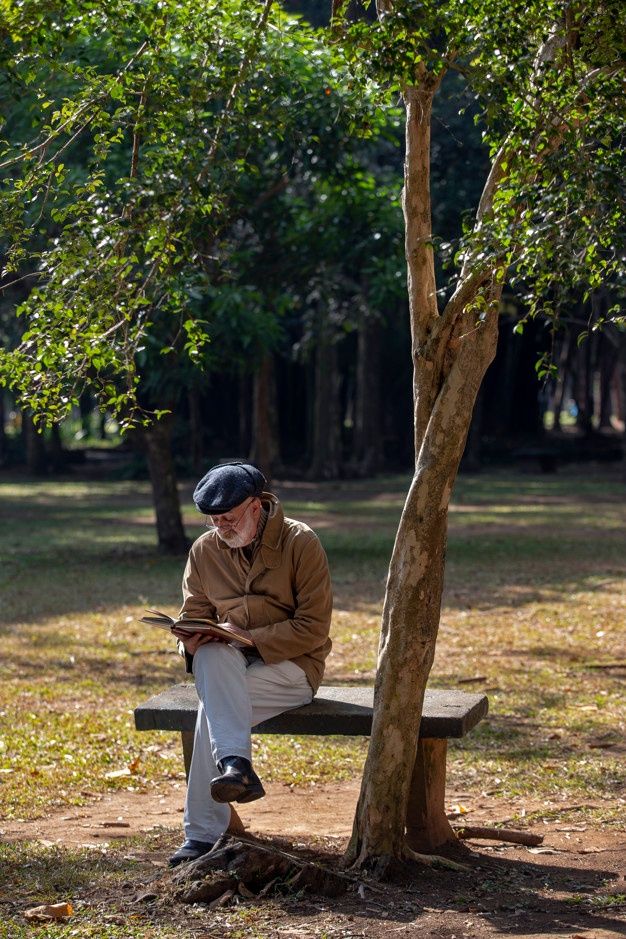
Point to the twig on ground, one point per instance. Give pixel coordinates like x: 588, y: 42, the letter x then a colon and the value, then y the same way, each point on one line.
x: 499, y: 834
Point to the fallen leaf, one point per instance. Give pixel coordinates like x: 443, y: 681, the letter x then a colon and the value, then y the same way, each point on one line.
x: 118, y: 773
x: 48, y: 912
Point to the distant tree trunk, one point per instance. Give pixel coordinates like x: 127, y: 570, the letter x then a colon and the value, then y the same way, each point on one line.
x: 3, y: 434
x: 85, y: 407
x: 565, y: 360
x: 195, y: 429
x: 368, y: 437
x: 34, y: 446
x: 157, y: 438
x: 326, y: 457
x: 57, y: 454
x: 608, y: 359
x: 621, y: 341
x: 584, y: 387
x: 245, y: 408
x: 265, y: 443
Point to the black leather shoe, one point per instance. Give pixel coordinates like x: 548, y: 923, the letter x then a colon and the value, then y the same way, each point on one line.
x: 190, y: 850
x: 238, y: 782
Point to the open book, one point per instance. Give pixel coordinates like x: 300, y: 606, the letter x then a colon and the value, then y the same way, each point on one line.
x: 197, y: 625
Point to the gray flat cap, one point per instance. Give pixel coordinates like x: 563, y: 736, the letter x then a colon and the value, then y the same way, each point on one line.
x: 226, y: 486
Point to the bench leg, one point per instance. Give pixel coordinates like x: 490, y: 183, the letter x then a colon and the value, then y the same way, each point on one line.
x: 187, y: 739
x: 427, y: 828
x: 235, y: 826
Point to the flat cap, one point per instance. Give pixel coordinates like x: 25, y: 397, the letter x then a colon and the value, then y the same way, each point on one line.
x: 226, y: 486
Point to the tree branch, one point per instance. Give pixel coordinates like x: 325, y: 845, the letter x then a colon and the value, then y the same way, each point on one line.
x: 246, y: 62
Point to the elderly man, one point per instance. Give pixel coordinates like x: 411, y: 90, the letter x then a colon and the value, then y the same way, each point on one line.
x: 268, y: 575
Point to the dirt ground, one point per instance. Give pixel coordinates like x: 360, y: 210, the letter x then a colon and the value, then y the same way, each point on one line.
x: 573, y: 885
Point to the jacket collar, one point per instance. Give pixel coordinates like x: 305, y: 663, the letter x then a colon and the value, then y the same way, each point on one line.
x: 270, y: 542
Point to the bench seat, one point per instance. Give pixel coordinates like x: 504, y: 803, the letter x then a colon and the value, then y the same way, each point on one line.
x: 347, y: 711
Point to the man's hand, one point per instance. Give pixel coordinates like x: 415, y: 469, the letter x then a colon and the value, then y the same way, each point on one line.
x: 193, y: 641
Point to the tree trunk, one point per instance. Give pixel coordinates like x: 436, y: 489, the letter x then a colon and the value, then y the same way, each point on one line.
x: 584, y: 390
x: 57, y: 454
x: 472, y: 455
x: 451, y: 353
x: 195, y: 429
x: 412, y: 607
x: 565, y: 363
x: 326, y: 457
x: 85, y: 407
x: 244, y: 431
x: 3, y: 435
x: 608, y: 358
x: 157, y: 438
x: 265, y: 446
x: 368, y: 441
x: 34, y: 445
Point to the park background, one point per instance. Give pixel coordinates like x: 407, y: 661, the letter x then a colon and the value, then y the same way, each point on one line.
x: 309, y: 374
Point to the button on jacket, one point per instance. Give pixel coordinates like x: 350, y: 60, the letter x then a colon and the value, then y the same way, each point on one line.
x: 282, y: 595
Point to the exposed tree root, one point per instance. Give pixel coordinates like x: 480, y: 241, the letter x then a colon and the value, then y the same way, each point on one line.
x: 434, y: 860
x: 251, y: 869
x: 248, y: 868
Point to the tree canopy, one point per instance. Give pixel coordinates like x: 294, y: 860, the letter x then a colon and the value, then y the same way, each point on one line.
x: 148, y: 139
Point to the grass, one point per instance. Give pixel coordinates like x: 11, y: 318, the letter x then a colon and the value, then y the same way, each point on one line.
x: 534, y: 612
x: 534, y: 597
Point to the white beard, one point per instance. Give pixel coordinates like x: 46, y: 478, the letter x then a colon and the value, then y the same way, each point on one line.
x: 239, y: 538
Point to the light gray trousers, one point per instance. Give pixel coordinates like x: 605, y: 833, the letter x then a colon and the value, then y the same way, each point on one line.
x: 233, y: 696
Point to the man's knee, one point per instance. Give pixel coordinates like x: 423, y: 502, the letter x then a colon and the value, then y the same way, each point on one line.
x: 219, y: 655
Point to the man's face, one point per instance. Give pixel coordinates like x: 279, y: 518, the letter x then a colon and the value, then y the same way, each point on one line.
x: 237, y: 528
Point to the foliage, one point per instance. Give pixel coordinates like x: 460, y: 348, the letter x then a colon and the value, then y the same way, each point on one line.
x: 154, y: 132
x: 546, y: 79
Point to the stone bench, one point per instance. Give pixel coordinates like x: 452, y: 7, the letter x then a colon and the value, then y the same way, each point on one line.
x: 347, y: 711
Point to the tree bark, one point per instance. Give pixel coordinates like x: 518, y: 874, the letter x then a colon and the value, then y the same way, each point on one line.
x: 265, y: 446
x: 157, y: 438
x: 412, y: 606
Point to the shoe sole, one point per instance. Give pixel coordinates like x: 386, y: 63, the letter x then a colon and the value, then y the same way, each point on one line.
x: 235, y: 792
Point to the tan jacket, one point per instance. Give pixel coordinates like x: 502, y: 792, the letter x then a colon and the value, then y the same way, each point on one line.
x: 284, y: 596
